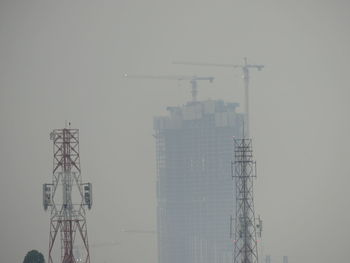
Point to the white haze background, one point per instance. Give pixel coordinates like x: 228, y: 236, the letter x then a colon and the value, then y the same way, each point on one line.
x: 64, y: 60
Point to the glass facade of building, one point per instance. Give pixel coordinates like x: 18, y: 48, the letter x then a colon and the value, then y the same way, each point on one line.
x: 194, y: 147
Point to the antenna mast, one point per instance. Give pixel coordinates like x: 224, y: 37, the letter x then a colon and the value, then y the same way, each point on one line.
x: 67, y: 197
x: 245, y: 232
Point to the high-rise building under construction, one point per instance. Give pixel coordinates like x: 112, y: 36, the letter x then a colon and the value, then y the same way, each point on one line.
x: 194, y: 148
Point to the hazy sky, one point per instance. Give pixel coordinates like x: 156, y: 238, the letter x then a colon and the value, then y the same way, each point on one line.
x: 64, y: 60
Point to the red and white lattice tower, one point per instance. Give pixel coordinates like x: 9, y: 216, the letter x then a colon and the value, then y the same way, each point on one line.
x: 67, y: 196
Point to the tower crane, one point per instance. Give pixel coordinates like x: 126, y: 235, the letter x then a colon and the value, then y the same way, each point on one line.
x: 192, y: 79
x: 245, y: 67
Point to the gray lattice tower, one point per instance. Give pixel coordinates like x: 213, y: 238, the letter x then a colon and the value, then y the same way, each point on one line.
x: 245, y: 238
x: 67, y: 196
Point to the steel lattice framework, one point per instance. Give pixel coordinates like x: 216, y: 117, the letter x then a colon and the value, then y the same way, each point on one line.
x: 67, y: 198
x: 244, y: 171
